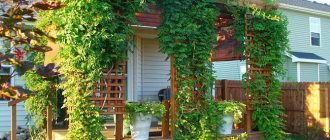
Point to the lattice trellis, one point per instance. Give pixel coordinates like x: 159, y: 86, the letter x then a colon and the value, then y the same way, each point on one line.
x: 109, y: 93
x: 252, y: 70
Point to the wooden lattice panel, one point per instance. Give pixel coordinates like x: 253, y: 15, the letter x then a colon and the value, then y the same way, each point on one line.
x: 251, y: 68
x: 109, y: 93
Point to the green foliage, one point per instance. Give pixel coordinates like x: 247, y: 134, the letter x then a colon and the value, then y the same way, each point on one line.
x: 242, y: 136
x: 270, y: 43
x: 93, y: 35
x: 315, y: 131
x: 232, y: 107
x: 36, y: 105
x: 187, y: 33
x: 153, y: 108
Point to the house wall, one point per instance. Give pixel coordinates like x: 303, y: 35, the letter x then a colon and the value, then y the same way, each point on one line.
x: 137, y: 69
x: 5, y: 110
x: 291, y: 70
x: 229, y: 70
x: 5, y: 117
x: 308, y: 72
x: 324, y: 72
x: 155, y: 70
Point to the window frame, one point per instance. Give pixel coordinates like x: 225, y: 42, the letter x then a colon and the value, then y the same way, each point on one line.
x: 311, y: 23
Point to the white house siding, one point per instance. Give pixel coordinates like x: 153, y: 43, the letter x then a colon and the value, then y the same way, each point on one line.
x: 5, y: 117
x: 137, y: 73
x: 5, y: 109
x: 300, y: 38
x: 229, y: 70
x: 155, y: 70
x: 324, y: 72
x: 291, y: 70
x: 308, y: 72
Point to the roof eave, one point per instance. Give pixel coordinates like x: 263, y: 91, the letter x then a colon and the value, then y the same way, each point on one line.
x: 304, y: 10
x: 318, y: 61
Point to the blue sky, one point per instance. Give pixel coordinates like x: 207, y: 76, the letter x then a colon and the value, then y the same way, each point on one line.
x: 322, y: 1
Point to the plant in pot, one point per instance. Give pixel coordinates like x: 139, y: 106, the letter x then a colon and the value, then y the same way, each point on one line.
x: 232, y: 112
x: 140, y: 114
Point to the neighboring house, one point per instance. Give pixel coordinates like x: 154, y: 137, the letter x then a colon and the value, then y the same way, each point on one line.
x: 309, y: 40
x: 5, y: 71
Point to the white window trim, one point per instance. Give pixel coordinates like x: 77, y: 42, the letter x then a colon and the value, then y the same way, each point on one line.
x: 130, y: 74
x: 298, y: 71
x: 310, y: 32
x: 318, y: 72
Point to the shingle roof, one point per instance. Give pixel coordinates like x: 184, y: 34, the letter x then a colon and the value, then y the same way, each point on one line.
x: 307, y: 4
x: 303, y: 55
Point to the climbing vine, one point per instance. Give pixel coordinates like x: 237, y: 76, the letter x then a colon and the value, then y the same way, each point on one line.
x: 187, y: 33
x: 93, y: 36
x: 270, y: 43
x: 36, y: 105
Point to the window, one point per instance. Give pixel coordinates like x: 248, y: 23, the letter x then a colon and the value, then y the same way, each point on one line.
x: 315, y: 31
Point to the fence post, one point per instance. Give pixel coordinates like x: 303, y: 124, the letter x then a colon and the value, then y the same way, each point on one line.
x: 224, y: 91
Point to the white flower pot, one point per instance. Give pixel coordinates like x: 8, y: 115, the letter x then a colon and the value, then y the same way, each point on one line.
x: 140, y: 127
x: 227, y: 125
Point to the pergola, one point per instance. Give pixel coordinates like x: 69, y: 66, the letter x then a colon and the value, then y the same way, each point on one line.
x: 225, y: 50
x: 112, y: 84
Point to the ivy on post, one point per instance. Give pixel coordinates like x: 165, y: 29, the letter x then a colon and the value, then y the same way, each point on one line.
x: 266, y: 37
x: 93, y: 36
x: 187, y: 34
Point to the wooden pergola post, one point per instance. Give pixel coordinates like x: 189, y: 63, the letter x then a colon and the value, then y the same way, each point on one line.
x: 13, y: 122
x: 166, y: 120
x: 249, y: 40
x: 119, y: 126
x: 13, y: 116
x: 173, y: 95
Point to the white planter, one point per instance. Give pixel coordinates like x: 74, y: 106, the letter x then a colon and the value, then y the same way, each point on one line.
x: 227, y: 125
x: 140, y: 127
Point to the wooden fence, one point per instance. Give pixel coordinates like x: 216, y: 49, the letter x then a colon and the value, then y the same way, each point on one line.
x: 305, y: 104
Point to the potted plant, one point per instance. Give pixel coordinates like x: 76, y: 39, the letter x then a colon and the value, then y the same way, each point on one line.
x: 232, y: 112
x: 140, y: 114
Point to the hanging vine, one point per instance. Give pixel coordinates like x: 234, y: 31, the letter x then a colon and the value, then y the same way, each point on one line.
x: 93, y: 36
x: 270, y: 43
x: 187, y: 33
